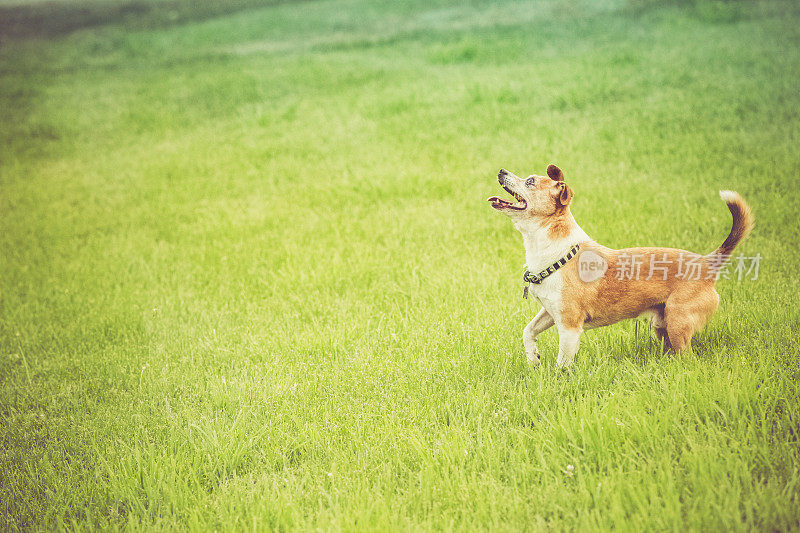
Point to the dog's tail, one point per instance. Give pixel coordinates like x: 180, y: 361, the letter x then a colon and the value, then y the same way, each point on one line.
x: 742, y: 224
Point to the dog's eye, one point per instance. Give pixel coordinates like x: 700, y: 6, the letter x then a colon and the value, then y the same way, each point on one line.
x: 530, y: 182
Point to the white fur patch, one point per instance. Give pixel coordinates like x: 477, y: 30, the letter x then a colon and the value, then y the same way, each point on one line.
x: 729, y: 197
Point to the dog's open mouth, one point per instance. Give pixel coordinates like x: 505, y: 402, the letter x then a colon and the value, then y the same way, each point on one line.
x: 499, y: 203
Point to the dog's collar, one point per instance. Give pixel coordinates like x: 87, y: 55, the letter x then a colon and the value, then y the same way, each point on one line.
x: 528, y: 277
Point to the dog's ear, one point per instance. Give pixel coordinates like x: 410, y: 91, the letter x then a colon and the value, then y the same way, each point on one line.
x: 565, y: 195
x: 555, y: 173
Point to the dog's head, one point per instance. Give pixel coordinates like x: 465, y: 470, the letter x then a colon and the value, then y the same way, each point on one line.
x: 536, y: 196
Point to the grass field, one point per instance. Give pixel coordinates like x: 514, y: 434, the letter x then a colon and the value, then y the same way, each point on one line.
x: 250, y: 280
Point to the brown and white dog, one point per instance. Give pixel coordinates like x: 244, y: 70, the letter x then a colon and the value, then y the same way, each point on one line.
x: 601, y: 286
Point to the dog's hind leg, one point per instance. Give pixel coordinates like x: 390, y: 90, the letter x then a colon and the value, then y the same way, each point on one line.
x: 680, y: 330
x: 656, y: 314
x: 686, y: 314
x: 540, y: 322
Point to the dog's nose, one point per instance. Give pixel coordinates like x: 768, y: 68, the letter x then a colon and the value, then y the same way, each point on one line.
x: 501, y: 176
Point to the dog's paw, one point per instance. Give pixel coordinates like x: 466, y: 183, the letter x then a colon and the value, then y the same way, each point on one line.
x: 564, y: 363
x: 533, y: 357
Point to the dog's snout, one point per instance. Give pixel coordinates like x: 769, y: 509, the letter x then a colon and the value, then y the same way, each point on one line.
x: 501, y: 176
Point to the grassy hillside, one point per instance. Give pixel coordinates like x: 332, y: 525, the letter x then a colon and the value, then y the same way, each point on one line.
x: 249, y: 277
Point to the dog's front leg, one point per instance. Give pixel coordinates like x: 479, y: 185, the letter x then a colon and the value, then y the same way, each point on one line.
x: 569, y: 340
x: 540, y: 322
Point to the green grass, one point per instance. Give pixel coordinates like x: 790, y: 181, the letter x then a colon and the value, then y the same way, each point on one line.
x: 249, y: 279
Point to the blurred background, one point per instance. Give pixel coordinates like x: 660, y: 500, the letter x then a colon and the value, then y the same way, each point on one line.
x: 249, y: 275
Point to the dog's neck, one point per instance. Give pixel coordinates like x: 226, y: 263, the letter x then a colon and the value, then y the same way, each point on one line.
x: 545, y: 245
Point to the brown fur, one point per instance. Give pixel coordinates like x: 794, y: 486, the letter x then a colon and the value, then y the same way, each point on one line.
x: 678, y: 307
x: 559, y: 221
x: 559, y: 224
x: 742, y: 225
x: 554, y: 173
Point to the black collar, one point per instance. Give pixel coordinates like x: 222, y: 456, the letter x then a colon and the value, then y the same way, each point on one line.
x: 538, y: 278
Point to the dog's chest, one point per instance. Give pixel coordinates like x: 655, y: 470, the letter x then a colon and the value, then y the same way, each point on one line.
x: 548, y: 292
